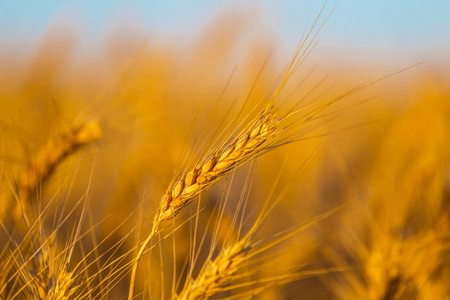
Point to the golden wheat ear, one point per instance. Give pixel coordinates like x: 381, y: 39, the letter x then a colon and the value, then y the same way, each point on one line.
x: 216, y: 273
x: 226, y: 158
x: 53, y: 281
x: 255, y: 139
x: 38, y: 270
x: 221, y: 271
x: 41, y: 166
x: 44, y: 271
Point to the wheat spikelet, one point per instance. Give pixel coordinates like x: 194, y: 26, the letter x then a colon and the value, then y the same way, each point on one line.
x: 48, y: 158
x: 38, y: 274
x: 216, y: 273
x: 56, y: 150
x: 405, y: 269
x: 44, y: 278
x: 63, y: 288
x: 52, y: 282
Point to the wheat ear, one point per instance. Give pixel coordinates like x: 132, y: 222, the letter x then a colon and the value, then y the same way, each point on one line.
x: 216, y: 273
x: 225, y: 159
x: 53, y: 282
x: 48, y: 282
x: 48, y: 158
x: 258, y: 137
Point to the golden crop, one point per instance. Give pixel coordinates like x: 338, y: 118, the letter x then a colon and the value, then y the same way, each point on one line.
x: 151, y: 171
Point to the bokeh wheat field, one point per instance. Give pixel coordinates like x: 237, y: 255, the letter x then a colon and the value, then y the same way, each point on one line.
x: 218, y: 169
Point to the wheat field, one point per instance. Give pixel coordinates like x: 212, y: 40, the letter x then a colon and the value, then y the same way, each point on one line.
x: 220, y: 169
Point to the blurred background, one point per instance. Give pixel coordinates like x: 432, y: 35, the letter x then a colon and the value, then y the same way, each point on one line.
x: 397, y: 31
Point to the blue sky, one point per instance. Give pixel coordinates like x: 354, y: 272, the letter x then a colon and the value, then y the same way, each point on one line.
x: 415, y: 25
